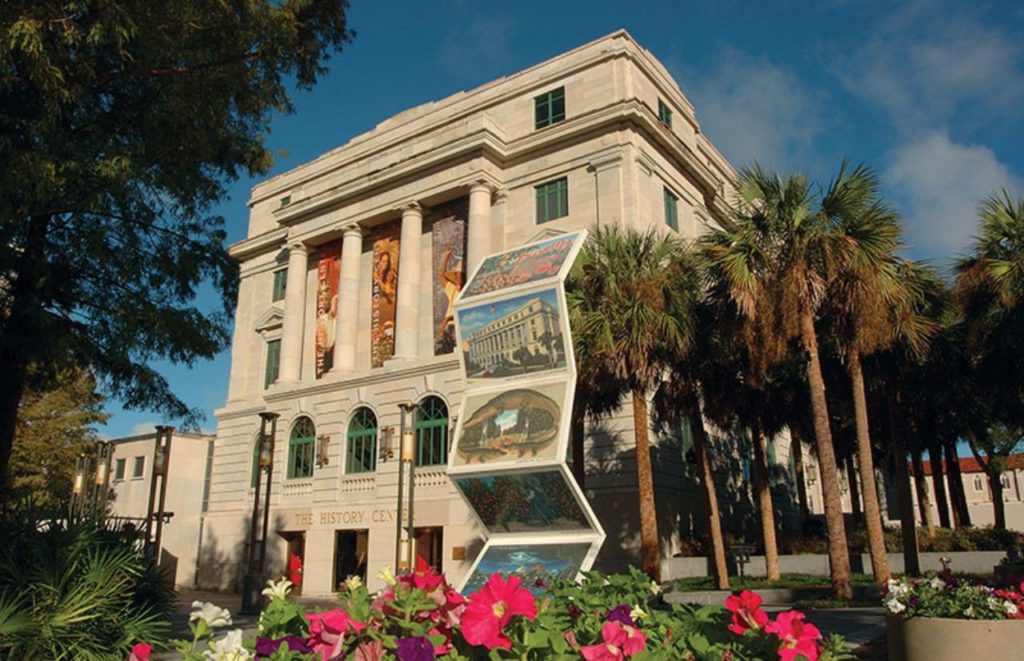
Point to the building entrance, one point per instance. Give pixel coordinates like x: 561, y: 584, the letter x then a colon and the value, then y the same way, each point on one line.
x: 430, y: 546
x: 296, y: 558
x: 350, y: 547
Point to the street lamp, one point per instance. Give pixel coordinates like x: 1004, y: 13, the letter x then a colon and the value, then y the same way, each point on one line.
x: 155, y: 509
x: 407, y: 450
x: 256, y: 562
x: 104, y: 452
x: 78, y: 487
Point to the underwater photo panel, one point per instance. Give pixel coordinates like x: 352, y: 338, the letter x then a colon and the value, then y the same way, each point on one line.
x: 539, y: 501
x: 530, y: 562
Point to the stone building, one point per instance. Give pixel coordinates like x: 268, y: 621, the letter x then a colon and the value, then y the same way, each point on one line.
x: 348, y: 274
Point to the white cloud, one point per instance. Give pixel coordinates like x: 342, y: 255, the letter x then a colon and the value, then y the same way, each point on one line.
x: 753, y: 110
x: 148, y: 427
x: 940, y: 184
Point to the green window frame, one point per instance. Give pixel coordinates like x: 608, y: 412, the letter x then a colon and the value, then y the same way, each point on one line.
x: 139, y: 467
x: 552, y: 200
x: 301, y: 446
x: 280, y: 285
x: 671, y: 210
x: 362, y: 442
x: 549, y: 108
x: 119, y: 468
x: 273, y: 363
x: 431, y: 427
x: 664, y: 113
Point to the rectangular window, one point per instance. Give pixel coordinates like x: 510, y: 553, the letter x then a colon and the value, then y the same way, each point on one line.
x: 664, y: 113
x: 549, y: 108
x: 273, y: 362
x: 671, y: 210
x: 362, y: 452
x: 138, y: 466
x: 300, y: 457
x: 432, y: 444
x: 280, y: 284
x: 119, y: 468
x: 552, y: 200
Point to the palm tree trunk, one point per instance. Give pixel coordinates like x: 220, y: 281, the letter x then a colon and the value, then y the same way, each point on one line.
x: 958, y: 497
x: 650, y: 551
x: 939, y: 482
x: 762, y: 485
x: 838, y: 552
x: 577, y: 434
x: 924, y: 500
x: 866, y: 460
x: 796, y: 447
x: 908, y: 525
x: 707, y: 479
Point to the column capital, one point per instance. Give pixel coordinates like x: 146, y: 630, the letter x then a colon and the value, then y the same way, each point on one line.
x: 481, y: 185
x: 411, y: 207
x: 500, y: 195
x: 352, y: 229
x: 296, y: 246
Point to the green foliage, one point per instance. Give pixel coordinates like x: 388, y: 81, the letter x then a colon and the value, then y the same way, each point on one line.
x: 76, y: 590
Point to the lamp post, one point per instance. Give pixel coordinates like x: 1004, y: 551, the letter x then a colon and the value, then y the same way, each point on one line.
x: 104, y: 452
x: 78, y: 486
x: 404, y: 543
x: 255, y: 563
x: 155, y: 509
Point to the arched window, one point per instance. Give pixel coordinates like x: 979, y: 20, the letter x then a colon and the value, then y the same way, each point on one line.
x: 431, y: 432
x: 362, y: 442
x: 301, y: 446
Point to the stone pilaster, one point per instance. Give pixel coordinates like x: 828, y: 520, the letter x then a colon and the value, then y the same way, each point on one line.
x: 348, y: 299
x: 478, y: 241
x: 407, y: 314
x: 292, y: 327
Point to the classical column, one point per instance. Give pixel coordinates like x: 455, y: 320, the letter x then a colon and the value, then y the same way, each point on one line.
x: 294, y: 313
x: 348, y: 298
x: 407, y: 314
x: 478, y: 241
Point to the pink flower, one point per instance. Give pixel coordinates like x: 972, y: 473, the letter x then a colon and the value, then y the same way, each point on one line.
x: 327, y: 632
x: 601, y: 652
x: 746, y: 612
x: 619, y: 641
x: 798, y: 638
x: 140, y: 652
x: 492, y: 607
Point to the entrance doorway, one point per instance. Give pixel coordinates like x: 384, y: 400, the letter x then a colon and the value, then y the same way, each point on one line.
x: 350, y: 548
x: 430, y: 546
x: 296, y: 558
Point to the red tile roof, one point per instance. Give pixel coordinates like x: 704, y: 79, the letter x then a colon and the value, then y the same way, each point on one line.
x: 970, y: 464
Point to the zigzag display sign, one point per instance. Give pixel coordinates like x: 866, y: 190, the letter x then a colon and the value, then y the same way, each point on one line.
x: 512, y: 437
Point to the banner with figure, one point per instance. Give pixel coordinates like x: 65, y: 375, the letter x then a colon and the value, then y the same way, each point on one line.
x: 385, y: 293
x: 449, y: 266
x: 327, y: 272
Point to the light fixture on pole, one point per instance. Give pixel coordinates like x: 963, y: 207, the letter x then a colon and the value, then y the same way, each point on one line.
x: 104, y: 452
x: 78, y: 486
x: 404, y: 543
x: 384, y: 451
x: 255, y: 562
x: 322, y: 459
x: 158, y: 494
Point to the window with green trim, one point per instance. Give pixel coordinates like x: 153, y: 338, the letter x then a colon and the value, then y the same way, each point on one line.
x: 273, y: 363
x: 549, y: 108
x: 552, y: 200
x: 664, y: 113
x: 362, y: 442
x: 280, y: 285
x: 301, y: 446
x: 431, y: 432
x: 671, y: 210
x: 119, y: 469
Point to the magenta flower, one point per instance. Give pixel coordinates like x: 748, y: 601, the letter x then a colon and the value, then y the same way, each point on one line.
x: 415, y: 649
x: 798, y: 638
x: 492, y: 607
x: 746, y: 612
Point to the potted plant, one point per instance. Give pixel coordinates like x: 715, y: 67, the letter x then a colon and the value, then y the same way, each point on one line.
x: 950, y: 617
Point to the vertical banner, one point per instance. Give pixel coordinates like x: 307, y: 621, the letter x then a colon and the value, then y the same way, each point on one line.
x: 327, y: 273
x: 385, y: 292
x: 449, y: 267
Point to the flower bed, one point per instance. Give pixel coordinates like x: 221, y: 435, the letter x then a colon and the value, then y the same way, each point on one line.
x: 419, y: 617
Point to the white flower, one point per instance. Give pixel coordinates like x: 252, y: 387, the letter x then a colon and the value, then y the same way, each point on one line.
x: 637, y: 613
x: 1011, y: 608
x: 655, y: 588
x: 969, y: 612
x: 894, y: 605
x: 277, y: 589
x: 228, y: 648
x: 387, y: 575
x: 937, y: 583
x: 353, y: 583
x: 213, y: 615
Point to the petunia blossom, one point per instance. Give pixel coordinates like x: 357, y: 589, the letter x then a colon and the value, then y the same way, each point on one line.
x: 140, y: 652
x: 618, y: 641
x: 414, y: 649
x: 798, y: 638
x: 746, y: 612
x: 492, y: 607
x: 327, y: 632
x: 212, y: 614
x: 267, y: 646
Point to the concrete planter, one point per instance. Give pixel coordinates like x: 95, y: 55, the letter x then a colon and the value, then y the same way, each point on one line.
x: 939, y: 638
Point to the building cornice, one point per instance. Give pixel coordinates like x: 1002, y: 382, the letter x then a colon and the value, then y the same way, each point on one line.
x: 259, y: 244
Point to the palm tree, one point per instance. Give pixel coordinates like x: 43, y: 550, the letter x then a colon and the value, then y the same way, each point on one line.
x: 773, y: 259
x: 629, y: 306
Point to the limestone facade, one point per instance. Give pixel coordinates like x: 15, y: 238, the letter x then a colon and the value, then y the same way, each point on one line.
x: 609, y: 159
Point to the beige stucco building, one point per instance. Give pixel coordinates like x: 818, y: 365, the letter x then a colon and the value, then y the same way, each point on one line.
x: 341, y: 271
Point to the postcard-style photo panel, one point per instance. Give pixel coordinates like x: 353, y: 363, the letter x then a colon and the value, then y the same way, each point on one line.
x: 530, y: 562
x: 514, y: 337
x: 524, y: 265
x: 534, y: 502
x: 513, y: 426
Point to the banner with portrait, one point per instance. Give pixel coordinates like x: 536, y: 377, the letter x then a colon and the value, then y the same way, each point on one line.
x: 449, y: 267
x: 385, y: 293
x: 327, y: 273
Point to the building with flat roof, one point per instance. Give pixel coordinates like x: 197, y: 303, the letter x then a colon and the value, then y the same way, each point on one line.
x: 348, y: 275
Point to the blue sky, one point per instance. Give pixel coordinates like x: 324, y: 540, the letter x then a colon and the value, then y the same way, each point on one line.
x: 928, y: 93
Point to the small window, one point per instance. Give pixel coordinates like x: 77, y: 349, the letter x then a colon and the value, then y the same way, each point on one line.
x: 119, y: 469
x: 1005, y: 481
x: 671, y: 210
x: 301, y: 445
x: 362, y: 442
x: 553, y: 200
x: 273, y: 363
x: 138, y: 466
x: 549, y: 108
x: 280, y: 285
x: 431, y: 432
x: 664, y: 113
x: 978, y: 483
x: 286, y: 200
